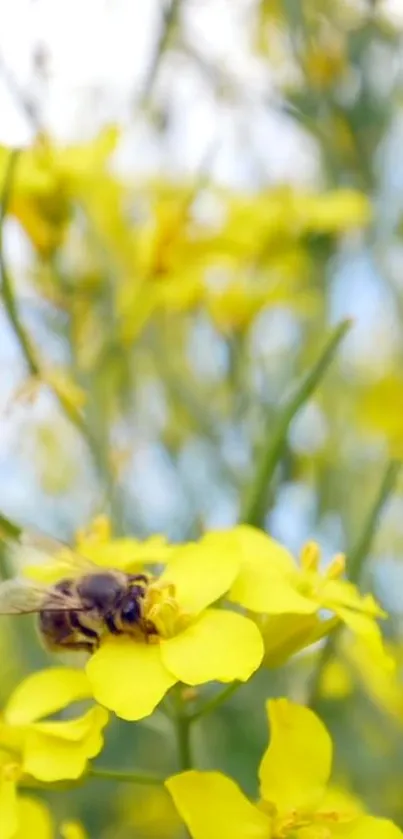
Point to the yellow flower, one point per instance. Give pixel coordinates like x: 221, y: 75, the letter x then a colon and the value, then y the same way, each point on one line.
x: 48, y: 750
x: 48, y: 177
x: 293, y: 775
x: 290, y: 598
x: 98, y: 544
x: 192, y: 643
x: 20, y: 816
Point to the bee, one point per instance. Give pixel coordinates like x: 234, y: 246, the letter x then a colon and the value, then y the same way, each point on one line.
x: 76, y: 612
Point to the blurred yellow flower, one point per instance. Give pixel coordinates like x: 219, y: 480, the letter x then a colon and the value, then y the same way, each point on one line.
x: 291, y: 597
x: 149, y: 813
x: 20, y: 815
x: 51, y: 750
x: 98, y: 544
x: 379, y: 409
x: 47, y: 178
x: 193, y: 643
x: 294, y: 775
x: 384, y: 687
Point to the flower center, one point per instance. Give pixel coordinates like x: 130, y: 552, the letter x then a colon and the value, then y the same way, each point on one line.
x: 314, y: 825
x: 310, y: 580
x: 162, y: 615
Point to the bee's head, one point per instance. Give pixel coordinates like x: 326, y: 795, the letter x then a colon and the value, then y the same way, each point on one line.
x: 130, y: 607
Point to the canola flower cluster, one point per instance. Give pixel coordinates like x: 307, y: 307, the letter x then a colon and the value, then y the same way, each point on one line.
x: 222, y: 607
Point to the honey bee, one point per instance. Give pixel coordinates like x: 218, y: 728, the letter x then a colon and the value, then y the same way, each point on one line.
x: 76, y: 612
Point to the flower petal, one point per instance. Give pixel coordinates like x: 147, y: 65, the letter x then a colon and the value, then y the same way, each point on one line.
x: 8, y: 806
x: 128, y: 677
x: 46, y: 692
x: 367, y: 629
x: 342, y: 593
x: 201, y: 575
x: 213, y: 807
x: 259, y: 589
x: 55, y: 751
x: 220, y: 645
x: 296, y: 766
x: 284, y: 635
x: 252, y: 543
x: 34, y: 819
x: 369, y: 827
x: 265, y: 582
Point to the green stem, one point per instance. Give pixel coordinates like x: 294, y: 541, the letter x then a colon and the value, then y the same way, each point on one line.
x: 28, y: 350
x: 182, y: 729
x: 168, y: 23
x: 215, y: 702
x: 254, y: 506
x: 144, y: 778
x: 355, y: 564
x: 7, y: 294
x: 360, y: 552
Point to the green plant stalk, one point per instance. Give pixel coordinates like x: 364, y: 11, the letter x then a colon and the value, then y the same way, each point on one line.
x: 254, y: 506
x: 182, y: 729
x: 143, y: 778
x: 215, y: 702
x: 27, y: 348
x: 355, y: 564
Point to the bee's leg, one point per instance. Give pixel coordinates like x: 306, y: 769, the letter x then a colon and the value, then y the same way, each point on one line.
x: 110, y: 622
x: 77, y: 626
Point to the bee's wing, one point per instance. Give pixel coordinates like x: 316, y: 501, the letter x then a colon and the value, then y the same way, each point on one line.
x: 21, y: 597
x: 37, y: 547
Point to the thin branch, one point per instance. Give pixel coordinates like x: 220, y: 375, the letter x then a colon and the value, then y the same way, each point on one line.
x: 123, y: 777
x: 215, y: 702
x: 254, y: 506
x: 169, y: 19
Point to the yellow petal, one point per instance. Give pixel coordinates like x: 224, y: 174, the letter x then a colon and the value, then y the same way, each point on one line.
x: 201, y: 575
x: 213, y: 807
x: 368, y: 630
x: 259, y: 590
x: 220, y: 645
x: 369, y: 827
x: 296, y: 766
x: 56, y: 751
x: 128, y: 677
x: 284, y: 635
x: 342, y: 593
x: 34, y: 819
x: 265, y: 582
x: 42, y: 694
x: 8, y: 808
x: 252, y: 543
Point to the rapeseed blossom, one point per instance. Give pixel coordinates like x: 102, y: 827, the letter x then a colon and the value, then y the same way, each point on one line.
x: 294, y: 790
x: 44, y: 749
x: 20, y: 815
x: 194, y: 642
x: 297, y: 603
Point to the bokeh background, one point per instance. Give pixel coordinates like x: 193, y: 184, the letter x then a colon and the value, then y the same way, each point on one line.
x: 203, y: 189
